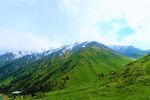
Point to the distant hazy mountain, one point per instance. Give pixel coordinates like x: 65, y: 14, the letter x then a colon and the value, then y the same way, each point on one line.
x: 148, y: 51
x: 70, y: 65
x: 129, y: 51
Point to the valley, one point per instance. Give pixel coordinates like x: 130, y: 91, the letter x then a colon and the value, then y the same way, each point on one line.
x: 87, y: 71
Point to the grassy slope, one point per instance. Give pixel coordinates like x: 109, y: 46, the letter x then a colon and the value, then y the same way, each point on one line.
x: 71, y: 69
x: 130, y: 83
x: 94, y: 61
x: 8, y: 68
x: 133, y: 82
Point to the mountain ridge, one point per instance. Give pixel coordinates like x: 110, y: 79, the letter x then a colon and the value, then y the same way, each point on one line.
x: 69, y: 66
x: 124, y: 50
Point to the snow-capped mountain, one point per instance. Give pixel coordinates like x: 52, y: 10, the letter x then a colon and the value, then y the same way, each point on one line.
x: 13, y: 55
x: 19, y: 54
x: 76, y: 46
x: 130, y: 51
x: 38, y: 54
x: 17, y: 60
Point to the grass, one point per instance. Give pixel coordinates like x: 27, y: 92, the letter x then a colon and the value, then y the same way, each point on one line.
x: 130, y: 83
x: 56, y: 72
x: 96, y: 92
x: 6, y: 81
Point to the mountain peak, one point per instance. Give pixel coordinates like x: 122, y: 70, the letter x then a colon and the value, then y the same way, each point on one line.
x: 44, y: 52
x: 78, y: 45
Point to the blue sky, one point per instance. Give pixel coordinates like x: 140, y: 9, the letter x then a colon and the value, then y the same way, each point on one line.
x: 36, y: 24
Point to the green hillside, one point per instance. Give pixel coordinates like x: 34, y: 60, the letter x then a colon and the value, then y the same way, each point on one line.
x: 9, y: 68
x: 130, y: 83
x: 76, y: 67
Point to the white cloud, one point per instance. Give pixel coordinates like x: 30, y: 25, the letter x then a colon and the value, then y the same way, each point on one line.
x: 81, y: 19
x: 141, y: 39
x: 70, y: 5
x: 27, y: 41
x: 92, y: 12
x: 92, y: 33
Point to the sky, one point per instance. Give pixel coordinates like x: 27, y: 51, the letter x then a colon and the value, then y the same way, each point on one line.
x: 38, y: 24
